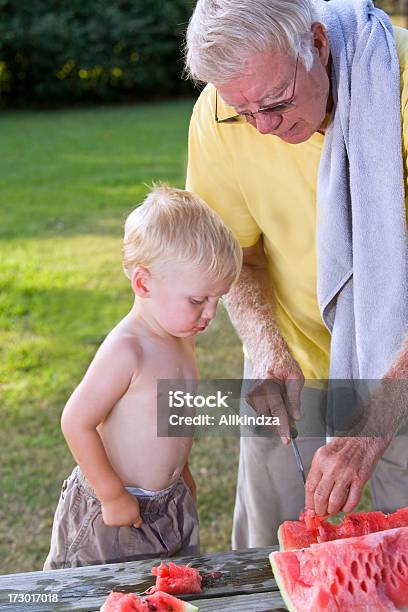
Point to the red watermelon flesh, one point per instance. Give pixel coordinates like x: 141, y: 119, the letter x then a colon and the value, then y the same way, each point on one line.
x: 158, y: 602
x: 311, y: 519
x: 164, y: 602
x: 176, y: 579
x: 121, y: 602
x: 358, y: 574
x: 312, y: 529
x: 398, y: 518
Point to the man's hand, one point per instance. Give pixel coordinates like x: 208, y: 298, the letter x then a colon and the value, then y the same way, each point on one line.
x: 339, y: 472
x: 341, y: 468
x: 122, y: 511
x: 190, y: 482
x: 276, y: 391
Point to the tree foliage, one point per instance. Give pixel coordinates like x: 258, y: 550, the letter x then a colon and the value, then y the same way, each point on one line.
x: 54, y: 52
x: 393, y: 7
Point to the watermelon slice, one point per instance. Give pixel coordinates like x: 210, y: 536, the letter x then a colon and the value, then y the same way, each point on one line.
x: 158, y: 602
x: 358, y: 574
x: 311, y: 529
x: 176, y: 579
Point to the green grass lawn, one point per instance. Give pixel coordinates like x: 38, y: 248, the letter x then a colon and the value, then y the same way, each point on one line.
x: 68, y: 179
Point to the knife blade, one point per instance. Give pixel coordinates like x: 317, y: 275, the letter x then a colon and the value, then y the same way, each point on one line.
x: 298, y: 458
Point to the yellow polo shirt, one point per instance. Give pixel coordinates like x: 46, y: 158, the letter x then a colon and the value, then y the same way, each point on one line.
x: 261, y: 185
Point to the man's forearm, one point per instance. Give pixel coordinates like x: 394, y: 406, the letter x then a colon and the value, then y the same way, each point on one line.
x: 395, y: 382
x: 388, y: 404
x: 250, y: 305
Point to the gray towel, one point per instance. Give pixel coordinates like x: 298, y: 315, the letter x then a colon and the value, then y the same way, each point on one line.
x: 361, y: 224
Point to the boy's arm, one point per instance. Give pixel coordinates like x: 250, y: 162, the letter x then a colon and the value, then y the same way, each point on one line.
x: 189, y: 480
x: 105, y: 382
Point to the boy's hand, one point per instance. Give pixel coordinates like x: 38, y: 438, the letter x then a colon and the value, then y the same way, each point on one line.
x: 190, y: 482
x: 122, y: 511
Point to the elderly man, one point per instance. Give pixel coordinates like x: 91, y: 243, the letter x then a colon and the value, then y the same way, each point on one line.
x: 296, y: 143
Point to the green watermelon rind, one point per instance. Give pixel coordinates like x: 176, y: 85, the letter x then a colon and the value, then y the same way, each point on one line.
x: 187, y: 607
x: 278, y: 581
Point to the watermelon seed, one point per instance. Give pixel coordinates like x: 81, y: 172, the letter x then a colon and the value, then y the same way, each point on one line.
x: 376, y: 579
x: 383, y: 574
x: 368, y: 570
x: 333, y: 588
x: 354, y: 569
x: 350, y: 587
x: 340, y: 575
x: 370, y: 557
x: 404, y: 559
x: 393, y: 581
x: 360, y: 557
x: 400, y: 568
x: 363, y: 586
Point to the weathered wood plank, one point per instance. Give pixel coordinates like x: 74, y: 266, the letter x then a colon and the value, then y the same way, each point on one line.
x: 84, y: 589
x: 257, y: 602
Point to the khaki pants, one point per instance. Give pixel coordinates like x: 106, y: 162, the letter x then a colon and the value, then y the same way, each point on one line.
x: 270, y: 489
x: 80, y: 537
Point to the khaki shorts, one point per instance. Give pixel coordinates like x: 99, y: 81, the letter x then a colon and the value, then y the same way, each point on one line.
x: 80, y: 537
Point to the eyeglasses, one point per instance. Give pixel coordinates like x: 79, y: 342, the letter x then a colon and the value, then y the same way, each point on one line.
x: 278, y: 108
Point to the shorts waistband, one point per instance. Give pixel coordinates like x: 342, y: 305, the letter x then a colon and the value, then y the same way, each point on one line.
x: 139, y: 492
x: 148, y: 503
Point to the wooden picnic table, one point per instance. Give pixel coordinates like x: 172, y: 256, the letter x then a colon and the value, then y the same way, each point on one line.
x: 243, y: 582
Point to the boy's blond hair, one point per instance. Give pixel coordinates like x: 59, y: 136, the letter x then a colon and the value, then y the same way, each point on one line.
x: 176, y: 225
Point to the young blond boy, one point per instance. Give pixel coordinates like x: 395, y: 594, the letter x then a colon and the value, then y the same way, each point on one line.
x: 131, y: 494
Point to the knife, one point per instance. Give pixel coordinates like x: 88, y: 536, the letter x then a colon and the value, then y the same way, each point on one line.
x: 298, y: 458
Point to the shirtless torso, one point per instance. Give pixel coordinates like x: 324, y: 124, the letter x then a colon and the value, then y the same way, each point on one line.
x: 129, y: 431
x: 110, y: 420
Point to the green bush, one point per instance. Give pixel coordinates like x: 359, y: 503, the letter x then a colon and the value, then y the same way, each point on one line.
x: 53, y: 52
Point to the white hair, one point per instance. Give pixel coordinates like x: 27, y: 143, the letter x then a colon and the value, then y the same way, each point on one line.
x: 223, y: 34
x: 173, y: 225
